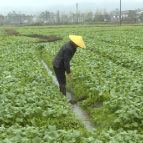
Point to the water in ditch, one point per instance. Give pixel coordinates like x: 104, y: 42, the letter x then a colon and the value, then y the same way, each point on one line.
x: 79, y: 112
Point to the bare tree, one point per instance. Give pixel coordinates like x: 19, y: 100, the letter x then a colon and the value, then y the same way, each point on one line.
x: 2, y: 19
x: 89, y: 16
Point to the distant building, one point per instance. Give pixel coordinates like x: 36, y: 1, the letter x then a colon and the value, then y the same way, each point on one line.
x: 25, y: 21
x: 128, y: 15
x: 115, y: 16
x: 138, y: 13
x: 107, y: 17
x: 125, y: 14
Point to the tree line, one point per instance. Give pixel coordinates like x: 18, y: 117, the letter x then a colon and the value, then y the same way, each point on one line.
x: 62, y: 17
x: 45, y: 17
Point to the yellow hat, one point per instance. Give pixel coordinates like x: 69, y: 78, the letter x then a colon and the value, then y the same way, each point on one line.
x: 77, y: 40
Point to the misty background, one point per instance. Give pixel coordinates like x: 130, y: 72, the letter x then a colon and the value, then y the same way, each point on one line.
x: 56, y: 11
x: 32, y: 6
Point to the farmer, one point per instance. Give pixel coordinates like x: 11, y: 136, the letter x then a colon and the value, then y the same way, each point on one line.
x: 61, y: 63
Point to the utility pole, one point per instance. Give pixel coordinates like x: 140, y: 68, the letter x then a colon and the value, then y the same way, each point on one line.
x: 77, y: 11
x: 120, y: 13
x: 20, y: 17
x: 58, y: 17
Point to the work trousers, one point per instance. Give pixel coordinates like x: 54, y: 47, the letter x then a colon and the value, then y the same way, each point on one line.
x: 60, y: 74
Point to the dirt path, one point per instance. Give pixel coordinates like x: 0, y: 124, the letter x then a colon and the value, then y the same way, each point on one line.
x: 79, y: 112
x: 43, y: 38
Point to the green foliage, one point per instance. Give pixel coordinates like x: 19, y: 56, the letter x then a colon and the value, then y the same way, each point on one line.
x: 108, y: 71
x: 104, y: 81
x: 28, y: 95
x: 99, y: 18
x: 52, y: 135
x: 132, y: 15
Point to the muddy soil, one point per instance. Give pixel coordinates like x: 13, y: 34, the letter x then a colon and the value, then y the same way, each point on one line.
x: 45, y: 39
x: 97, y: 105
x: 83, y: 98
x: 12, y: 32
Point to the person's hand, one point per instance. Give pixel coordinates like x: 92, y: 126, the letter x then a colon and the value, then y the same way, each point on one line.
x: 69, y: 75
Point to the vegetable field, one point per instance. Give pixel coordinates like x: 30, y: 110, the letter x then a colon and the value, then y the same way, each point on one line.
x: 109, y: 71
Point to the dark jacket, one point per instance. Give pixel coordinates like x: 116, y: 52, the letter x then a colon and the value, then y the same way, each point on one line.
x: 63, y: 57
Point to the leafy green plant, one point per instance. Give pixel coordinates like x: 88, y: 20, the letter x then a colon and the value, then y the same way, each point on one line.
x: 109, y: 70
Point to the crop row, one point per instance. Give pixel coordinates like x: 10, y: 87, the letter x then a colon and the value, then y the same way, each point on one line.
x: 29, y: 101
x: 121, y: 55
x: 32, y: 105
x: 16, y: 134
x: 101, y: 80
x: 125, y: 37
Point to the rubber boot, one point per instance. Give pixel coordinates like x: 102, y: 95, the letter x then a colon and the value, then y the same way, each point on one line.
x: 63, y: 89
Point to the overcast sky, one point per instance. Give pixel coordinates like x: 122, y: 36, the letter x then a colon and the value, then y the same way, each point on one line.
x: 35, y: 6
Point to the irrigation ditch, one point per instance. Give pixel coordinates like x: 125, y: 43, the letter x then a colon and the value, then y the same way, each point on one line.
x: 79, y: 112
